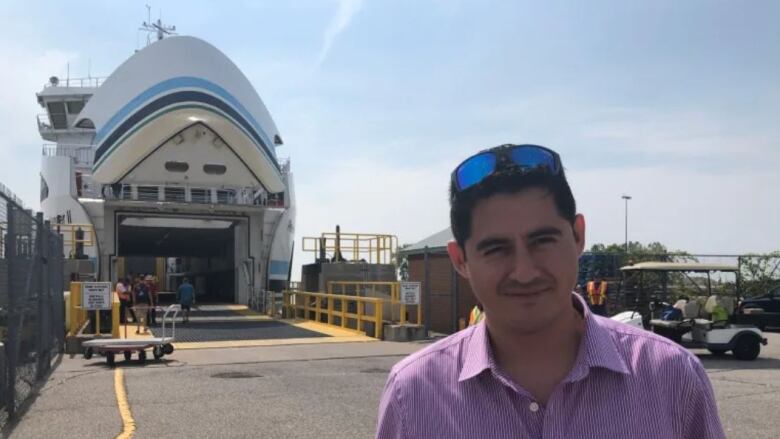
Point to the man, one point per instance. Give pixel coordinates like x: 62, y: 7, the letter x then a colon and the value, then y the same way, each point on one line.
x: 142, y: 300
x: 185, y: 295
x: 597, y: 295
x: 540, y: 364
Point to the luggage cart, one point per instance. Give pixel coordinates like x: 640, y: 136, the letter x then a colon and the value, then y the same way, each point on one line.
x: 160, y: 346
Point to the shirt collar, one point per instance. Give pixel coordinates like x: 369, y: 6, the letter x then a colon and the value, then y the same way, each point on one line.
x: 597, y: 348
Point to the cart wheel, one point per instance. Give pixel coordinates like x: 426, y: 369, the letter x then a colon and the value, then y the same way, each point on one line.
x: 142, y: 356
x: 88, y: 353
x: 167, y: 348
x: 747, y: 348
x: 110, y: 359
x: 128, y: 355
x: 157, y: 351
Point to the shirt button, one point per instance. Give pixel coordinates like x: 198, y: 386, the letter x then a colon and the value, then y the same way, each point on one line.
x: 534, y: 407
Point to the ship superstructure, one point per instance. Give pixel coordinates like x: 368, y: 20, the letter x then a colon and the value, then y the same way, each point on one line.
x: 171, y: 165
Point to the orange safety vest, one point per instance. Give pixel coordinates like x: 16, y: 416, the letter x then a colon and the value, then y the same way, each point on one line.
x: 475, y: 316
x: 597, y: 296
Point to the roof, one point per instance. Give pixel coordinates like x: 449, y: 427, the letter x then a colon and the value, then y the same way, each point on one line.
x: 679, y: 266
x: 437, y: 241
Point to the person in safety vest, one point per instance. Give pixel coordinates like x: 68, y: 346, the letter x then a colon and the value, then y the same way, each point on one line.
x: 597, y: 296
x: 476, y: 315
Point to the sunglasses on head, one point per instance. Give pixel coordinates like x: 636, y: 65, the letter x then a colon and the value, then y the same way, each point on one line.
x: 523, y: 158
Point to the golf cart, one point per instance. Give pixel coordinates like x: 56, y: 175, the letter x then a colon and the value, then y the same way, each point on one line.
x: 706, y: 320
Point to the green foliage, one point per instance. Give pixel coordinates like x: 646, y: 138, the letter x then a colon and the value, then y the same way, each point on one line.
x: 759, y: 273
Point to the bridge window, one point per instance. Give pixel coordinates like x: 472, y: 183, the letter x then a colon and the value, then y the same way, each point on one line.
x: 177, y: 166
x: 75, y: 107
x: 86, y: 123
x: 214, y: 169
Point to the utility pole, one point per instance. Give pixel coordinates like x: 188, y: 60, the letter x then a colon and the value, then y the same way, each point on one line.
x: 626, y: 198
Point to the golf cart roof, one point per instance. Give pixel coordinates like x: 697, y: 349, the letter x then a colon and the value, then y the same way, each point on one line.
x: 679, y: 266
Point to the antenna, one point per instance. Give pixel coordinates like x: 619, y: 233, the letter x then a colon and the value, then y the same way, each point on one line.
x: 157, y: 27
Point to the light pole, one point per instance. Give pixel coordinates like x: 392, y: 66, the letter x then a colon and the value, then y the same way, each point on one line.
x: 626, y: 197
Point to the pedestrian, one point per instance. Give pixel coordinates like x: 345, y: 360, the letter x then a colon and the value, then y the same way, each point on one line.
x: 152, y: 312
x: 541, y: 364
x: 124, y: 300
x: 476, y: 315
x: 185, y: 296
x: 142, y: 300
x: 597, y: 295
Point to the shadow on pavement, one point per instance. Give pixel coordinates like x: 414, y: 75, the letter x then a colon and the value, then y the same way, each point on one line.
x: 728, y: 362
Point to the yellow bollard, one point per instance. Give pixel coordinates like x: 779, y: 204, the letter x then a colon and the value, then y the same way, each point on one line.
x: 115, y: 315
x: 379, y: 321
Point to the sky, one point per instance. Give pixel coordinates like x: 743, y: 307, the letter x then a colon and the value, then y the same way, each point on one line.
x: 674, y: 103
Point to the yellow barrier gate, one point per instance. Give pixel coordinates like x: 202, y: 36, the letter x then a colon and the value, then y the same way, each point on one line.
x: 373, y: 289
x: 78, y: 316
x: 315, y: 306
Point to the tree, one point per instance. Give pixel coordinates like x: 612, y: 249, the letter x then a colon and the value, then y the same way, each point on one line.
x: 759, y: 273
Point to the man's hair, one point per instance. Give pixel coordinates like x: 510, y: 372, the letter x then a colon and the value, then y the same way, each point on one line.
x: 509, y: 181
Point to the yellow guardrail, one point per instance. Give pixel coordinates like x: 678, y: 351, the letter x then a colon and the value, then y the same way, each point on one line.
x: 391, y: 289
x: 315, y: 306
x: 77, y: 317
x: 372, y: 248
x: 69, y: 232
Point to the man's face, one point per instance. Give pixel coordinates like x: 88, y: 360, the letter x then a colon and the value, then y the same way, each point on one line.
x: 521, y: 259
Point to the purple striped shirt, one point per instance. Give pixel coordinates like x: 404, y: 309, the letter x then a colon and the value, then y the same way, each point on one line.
x: 625, y: 383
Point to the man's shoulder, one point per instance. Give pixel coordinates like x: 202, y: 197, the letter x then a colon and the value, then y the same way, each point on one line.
x: 437, y: 356
x: 645, y: 352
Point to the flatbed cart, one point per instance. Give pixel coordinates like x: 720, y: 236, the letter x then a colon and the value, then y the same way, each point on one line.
x: 160, y: 346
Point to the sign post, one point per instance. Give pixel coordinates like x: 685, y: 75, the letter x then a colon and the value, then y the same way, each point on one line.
x: 96, y: 296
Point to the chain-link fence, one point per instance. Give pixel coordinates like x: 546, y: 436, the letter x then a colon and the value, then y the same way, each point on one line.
x: 31, y: 303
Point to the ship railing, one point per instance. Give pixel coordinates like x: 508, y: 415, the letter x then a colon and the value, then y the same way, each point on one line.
x: 76, y: 82
x: 81, y: 154
x: 192, y: 194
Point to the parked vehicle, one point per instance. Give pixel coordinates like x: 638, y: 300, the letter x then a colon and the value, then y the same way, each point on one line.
x: 693, y: 322
x: 761, y: 311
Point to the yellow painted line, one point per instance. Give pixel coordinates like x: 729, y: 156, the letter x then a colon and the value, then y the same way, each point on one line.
x: 333, y: 331
x: 277, y: 342
x: 128, y: 424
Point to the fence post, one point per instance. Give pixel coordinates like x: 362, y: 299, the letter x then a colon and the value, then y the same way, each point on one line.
x: 42, y: 320
x: 427, y: 306
x: 10, y: 348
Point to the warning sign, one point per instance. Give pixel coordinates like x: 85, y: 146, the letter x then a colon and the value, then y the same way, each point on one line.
x: 410, y: 293
x: 96, y: 295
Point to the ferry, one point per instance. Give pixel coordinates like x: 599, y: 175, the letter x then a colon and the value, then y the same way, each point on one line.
x: 169, y: 167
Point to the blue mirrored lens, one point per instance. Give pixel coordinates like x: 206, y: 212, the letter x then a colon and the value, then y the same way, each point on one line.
x: 531, y: 157
x: 475, y: 169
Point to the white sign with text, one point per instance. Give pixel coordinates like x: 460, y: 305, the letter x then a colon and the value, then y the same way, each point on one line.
x: 96, y: 296
x: 410, y: 293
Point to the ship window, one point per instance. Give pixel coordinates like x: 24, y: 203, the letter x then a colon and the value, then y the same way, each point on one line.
x: 75, y: 107
x: 214, y: 169
x: 177, y: 166
x: 86, y: 123
x: 200, y: 195
x: 44, y: 189
x: 57, y: 115
x: 175, y: 194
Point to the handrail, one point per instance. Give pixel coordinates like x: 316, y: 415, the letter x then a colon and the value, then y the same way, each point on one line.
x: 81, y: 154
x: 223, y: 195
x: 292, y: 305
x: 375, y: 287
x: 77, y: 82
x: 374, y: 248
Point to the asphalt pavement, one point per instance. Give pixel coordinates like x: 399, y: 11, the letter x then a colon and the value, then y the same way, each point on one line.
x: 305, y: 391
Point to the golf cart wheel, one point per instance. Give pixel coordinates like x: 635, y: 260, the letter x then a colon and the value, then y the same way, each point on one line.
x: 88, y: 353
x: 167, y: 348
x: 128, y: 355
x: 747, y: 348
x: 158, y: 352
x: 110, y: 359
x: 718, y: 351
x: 142, y: 356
